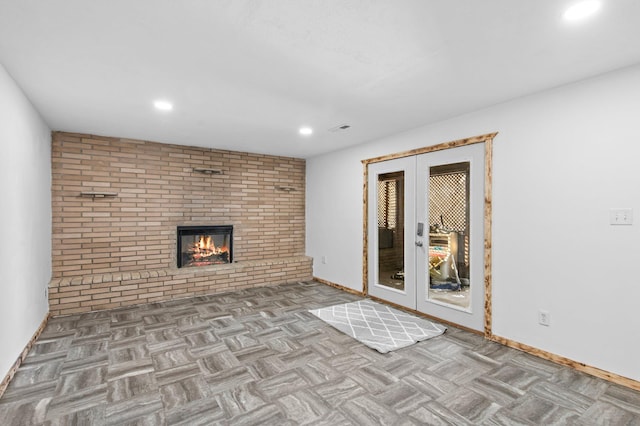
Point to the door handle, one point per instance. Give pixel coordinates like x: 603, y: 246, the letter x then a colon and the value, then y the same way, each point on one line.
x: 419, y: 243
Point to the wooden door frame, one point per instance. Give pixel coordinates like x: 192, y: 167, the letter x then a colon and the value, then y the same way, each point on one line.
x: 487, y: 139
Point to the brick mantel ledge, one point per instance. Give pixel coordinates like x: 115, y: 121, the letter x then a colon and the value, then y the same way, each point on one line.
x: 106, y: 291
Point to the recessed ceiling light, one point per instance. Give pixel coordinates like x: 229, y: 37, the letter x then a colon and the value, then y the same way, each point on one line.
x: 163, y: 105
x: 305, y: 131
x: 581, y: 10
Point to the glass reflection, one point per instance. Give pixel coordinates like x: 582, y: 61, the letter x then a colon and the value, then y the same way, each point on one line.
x: 391, y: 230
x: 449, y: 234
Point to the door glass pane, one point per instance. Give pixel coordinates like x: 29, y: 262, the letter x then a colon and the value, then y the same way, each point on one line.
x: 391, y: 230
x: 448, y: 258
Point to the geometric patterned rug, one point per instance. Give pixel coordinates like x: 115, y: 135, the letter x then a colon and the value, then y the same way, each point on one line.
x: 378, y: 326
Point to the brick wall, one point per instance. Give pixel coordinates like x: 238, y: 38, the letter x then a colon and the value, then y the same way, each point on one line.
x: 157, y: 190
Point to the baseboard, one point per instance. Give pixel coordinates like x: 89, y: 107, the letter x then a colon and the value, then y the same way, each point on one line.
x: 339, y: 287
x: 579, y: 366
x: 12, y: 371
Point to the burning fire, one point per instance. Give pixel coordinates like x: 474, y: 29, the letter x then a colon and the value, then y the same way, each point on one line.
x: 204, y: 249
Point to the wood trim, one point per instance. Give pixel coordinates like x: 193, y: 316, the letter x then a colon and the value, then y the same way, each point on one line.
x: 339, y: 287
x: 487, y: 139
x: 432, y: 148
x: 422, y: 314
x: 593, y: 371
x: 488, y: 212
x: 12, y: 371
x: 365, y: 233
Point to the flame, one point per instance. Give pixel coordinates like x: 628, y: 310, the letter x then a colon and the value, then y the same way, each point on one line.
x: 206, y: 243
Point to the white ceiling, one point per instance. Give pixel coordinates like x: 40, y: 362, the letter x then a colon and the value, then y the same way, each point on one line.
x: 244, y: 75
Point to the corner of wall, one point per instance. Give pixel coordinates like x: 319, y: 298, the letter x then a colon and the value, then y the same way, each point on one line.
x: 25, y: 220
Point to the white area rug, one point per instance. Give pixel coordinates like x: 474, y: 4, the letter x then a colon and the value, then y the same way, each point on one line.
x: 378, y: 326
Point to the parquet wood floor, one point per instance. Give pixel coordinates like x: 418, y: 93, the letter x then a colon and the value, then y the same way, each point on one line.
x: 257, y: 357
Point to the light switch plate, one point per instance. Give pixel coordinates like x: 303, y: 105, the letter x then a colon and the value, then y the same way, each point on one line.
x: 621, y: 216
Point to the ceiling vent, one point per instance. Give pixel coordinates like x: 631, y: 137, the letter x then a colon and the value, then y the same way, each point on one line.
x: 339, y: 128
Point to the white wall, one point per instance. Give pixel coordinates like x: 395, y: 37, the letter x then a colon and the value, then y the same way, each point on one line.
x: 562, y: 159
x: 25, y: 220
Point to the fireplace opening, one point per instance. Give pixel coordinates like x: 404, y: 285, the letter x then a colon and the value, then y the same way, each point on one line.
x: 204, y: 245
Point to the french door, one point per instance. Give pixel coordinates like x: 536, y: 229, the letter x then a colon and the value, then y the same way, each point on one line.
x: 426, y: 233
x: 391, y: 219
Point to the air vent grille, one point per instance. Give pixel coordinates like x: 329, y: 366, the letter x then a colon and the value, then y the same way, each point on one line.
x: 340, y: 128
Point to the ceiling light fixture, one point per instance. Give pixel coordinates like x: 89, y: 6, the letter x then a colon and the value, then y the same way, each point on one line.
x: 305, y: 131
x: 163, y: 105
x: 581, y: 10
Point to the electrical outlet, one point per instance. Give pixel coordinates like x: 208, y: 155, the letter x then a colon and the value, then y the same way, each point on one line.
x: 324, y: 260
x: 544, y: 318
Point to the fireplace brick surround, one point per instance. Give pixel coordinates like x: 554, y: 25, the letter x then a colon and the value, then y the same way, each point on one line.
x: 117, y: 204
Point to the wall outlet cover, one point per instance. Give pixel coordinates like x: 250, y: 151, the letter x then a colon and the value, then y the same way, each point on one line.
x: 544, y: 318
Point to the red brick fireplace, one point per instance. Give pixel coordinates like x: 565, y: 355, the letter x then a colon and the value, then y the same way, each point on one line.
x: 117, y: 205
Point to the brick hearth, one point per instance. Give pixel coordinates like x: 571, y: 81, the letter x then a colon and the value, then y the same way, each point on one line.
x: 106, y: 291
